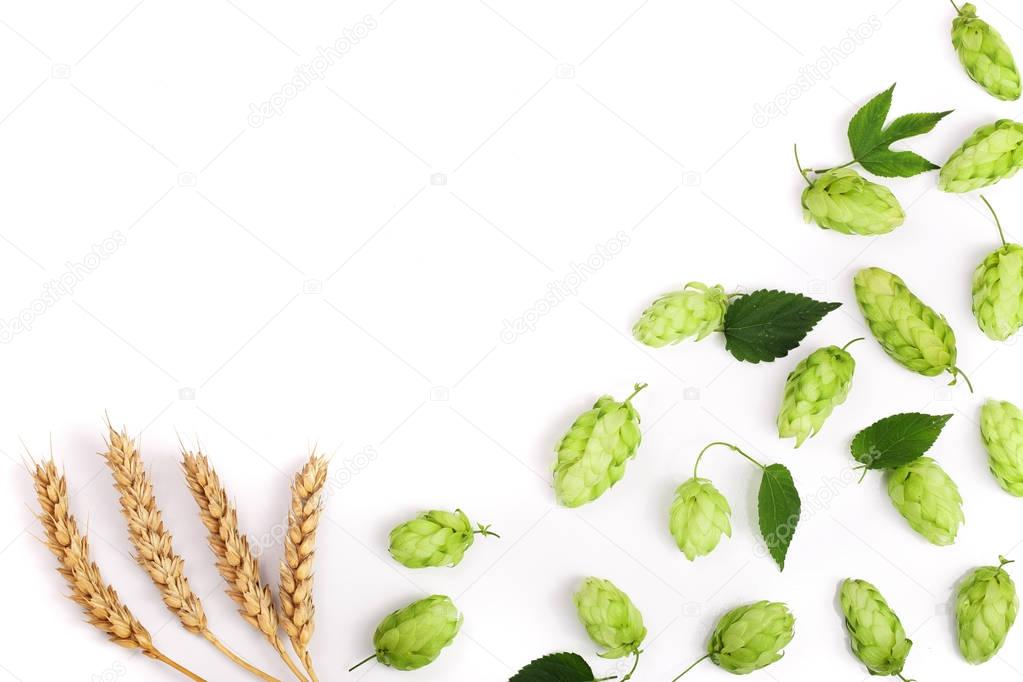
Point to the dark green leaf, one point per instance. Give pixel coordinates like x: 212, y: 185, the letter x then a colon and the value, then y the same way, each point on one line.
x: 897, y: 440
x: 563, y: 667
x: 766, y: 324
x: 870, y: 140
x: 865, y: 126
x: 891, y: 164
x: 778, y: 504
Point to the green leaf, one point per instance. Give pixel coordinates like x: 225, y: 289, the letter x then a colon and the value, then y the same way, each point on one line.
x: 563, y: 667
x: 869, y: 139
x: 891, y: 164
x: 778, y: 507
x: 897, y: 440
x: 766, y: 324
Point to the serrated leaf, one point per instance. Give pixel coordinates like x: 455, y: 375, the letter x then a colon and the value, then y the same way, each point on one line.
x: 766, y: 324
x: 561, y: 667
x: 778, y: 508
x: 892, y: 164
x: 865, y: 126
x: 870, y: 140
x: 897, y: 440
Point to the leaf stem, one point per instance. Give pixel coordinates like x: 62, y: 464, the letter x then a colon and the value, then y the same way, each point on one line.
x: 638, y: 388
x: 1003, y: 561
x: 998, y: 223
x: 956, y: 373
x: 730, y: 447
x: 484, y: 531
x: 691, y: 666
x: 825, y: 170
x: 363, y: 662
x: 635, y: 662
x: 802, y: 171
x: 852, y: 342
x: 958, y: 11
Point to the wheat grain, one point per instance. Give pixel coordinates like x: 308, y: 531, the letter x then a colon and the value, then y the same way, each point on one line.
x: 154, y: 550
x: 103, y: 608
x: 296, y: 587
x: 235, y: 561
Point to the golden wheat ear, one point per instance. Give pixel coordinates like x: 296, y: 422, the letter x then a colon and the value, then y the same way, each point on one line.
x: 237, y: 566
x: 154, y: 549
x: 296, y: 587
x: 103, y: 608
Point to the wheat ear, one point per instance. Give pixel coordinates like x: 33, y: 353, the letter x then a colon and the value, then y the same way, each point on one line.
x: 99, y: 601
x: 234, y: 558
x: 154, y: 550
x: 296, y: 588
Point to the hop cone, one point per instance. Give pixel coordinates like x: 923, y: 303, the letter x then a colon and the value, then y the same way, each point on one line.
x: 699, y: 517
x: 695, y: 310
x: 592, y: 455
x: 413, y: 636
x: 992, y: 153
x: 610, y: 618
x: 998, y: 292
x: 1001, y: 428
x: 984, y: 54
x: 750, y: 637
x: 844, y: 201
x: 818, y: 384
x: 927, y: 498
x: 875, y: 632
x: 986, y: 607
x: 910, y: 332
x: 434, y: 538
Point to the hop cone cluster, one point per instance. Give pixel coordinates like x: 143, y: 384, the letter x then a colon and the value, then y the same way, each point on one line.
x: 984, y: 54
x: 699, y: 517
x: 818, y: 384
x: 592, y: 455
x: 875, y: 632
x: 694, y: 311
x: 751, y: 637
x: 910, y: 332
x: 842, y: 200
x: 610, y: 618
x: 986, y: 607
x: 413, y: 636
x: 992, y: 153
x: 998, y: 292
x: 434, y: 538
x: 1001, y: 428
x: 928, y: 499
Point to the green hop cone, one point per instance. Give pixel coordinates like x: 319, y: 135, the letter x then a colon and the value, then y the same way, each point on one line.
x: 699, y: 517
x: 818, y: 384
x: 910, y: 332
x: 751, y: 637
x: 1001, y: 428
x: 696, y: 310
x: 413, y: 637
x: 986, y: 607
x: 610, y: 618
x: 434, y: 538
x: 875, y: 632
x: 984, y: 54
x: 593, y: 454
x: 842, y: 200
x: 998, y: 292
x: 992, y: 153
x: 928, y: 499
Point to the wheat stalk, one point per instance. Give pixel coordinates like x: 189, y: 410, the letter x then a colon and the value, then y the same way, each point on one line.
x: 99, y: 601
x: 296, y: 587
x: 154, y: 550
x: 234, y: 558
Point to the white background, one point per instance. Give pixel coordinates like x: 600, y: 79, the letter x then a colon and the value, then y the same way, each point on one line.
x: 341, y: 275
